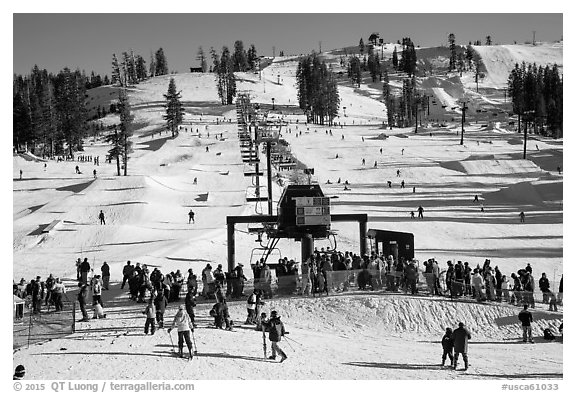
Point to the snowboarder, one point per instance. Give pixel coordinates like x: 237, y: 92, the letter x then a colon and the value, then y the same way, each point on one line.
x: 460, y: 336
x: 195, y: 181
x: 380, y: 150
x: 363, y: 161
x: 184, y: 325
x: 402, y: 151
x: 420, y: 212
x: 150, y: 312
x: 402, y: 184
x: 191, y: 217
x: 476, y: 198
x: 522, y: 216
x: 559, y: 170
x: 375, y: 164
x: 78, y: 170
x: 101, y: 217
x: 207, y: 149
x: 412, y: 215
x: 276, y: 330
x: 525, y: 317
x: 448, y: 347
x: 389, y: 184
x: 94, y: 172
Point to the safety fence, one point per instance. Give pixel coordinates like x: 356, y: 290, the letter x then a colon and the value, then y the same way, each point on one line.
x: 31, y: 328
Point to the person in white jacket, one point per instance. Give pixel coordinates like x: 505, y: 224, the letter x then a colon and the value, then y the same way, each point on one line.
x: 478, y: 283
x: 184, y: 325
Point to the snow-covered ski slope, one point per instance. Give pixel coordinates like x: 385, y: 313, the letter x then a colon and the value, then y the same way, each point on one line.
x: 499, y: 60
x: 351, y: 336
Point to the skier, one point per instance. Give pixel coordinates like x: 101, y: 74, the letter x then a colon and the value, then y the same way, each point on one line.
x: 402, y: 184
x: 150, y: 313
x: 525, y: 317
x: 363, y: 161
x: 184, y: 325
x: 207, y: 149
x: 195, y: 181
x: 420, y: 212
x: 522, y: 216
x: 402, y: 151
x: 397, y: 172
x: 412, y: 215
x: 94, y: 172
x: 101, y: 217
x: 448, y: 347
x: 276, y: 330
x: 476, y: 198
x: 160, y: 302
x: 460, y: 337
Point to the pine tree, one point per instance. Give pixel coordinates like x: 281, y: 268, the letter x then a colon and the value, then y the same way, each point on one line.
x: 469, y: 56
x: 140, y: 68
x: 116, y: 76
x: 161, y: 63
x: 126, y: 119
x: 174, y: 110
x: 201, y: 57
x: 124, y: 69
x: 115, y: 152
x: 252, y: 58
x: 355, y: 70
x: 106, y: 80
x: 477, y: 72
x: 488, y: 40
x: 226, y: 82
x: 361, y: 46
x: 152, y: 65
x: 460, y: 63
x: 452, y: 46
x: 215, y: 60
x: 239, y: 59
x: 395, y: 58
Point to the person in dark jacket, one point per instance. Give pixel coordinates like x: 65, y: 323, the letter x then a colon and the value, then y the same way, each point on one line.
x: 525, y: 317
x: 460, y: 336
x: 276, y: 330
x: 160, y: 302
x: 84, y: 270
x: 82, y: 298
x: 544, y: 285
x: 190, y: 303
x: 220, y: 314
x: 448, y: 347
x: 105, y: 269
x: 127, y: 272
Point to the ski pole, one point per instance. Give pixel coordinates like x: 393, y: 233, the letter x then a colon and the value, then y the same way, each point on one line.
x: 290, y: 345
x: 170, y: 335
x: 194, y: 341
x: 291, y: 339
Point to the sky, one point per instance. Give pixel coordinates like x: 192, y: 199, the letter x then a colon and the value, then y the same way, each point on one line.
x: 87, y: 41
